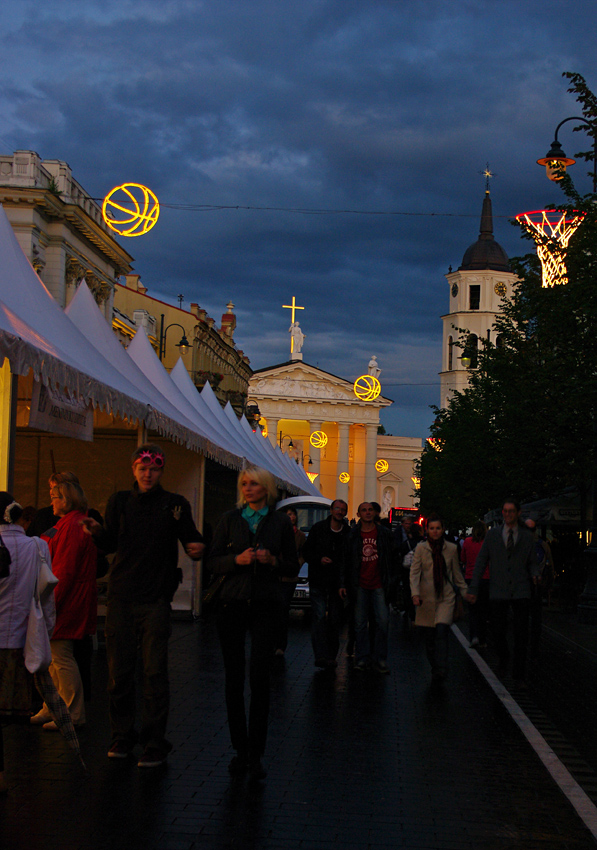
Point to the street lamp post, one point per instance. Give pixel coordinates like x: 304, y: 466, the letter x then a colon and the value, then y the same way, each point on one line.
x: 284, y: 437
x: 556, y: 161
x: 183, y: 346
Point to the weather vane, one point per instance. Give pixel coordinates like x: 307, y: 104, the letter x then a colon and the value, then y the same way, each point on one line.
x: 487, y: 174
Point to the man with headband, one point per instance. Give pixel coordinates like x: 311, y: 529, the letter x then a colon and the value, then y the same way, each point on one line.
x: 143, y: 527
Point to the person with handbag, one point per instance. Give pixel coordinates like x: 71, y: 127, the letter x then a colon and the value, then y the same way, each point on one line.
x: 254, y: 549
x: 20, y: 565
x: 436, y: 584
x: 74, y: 562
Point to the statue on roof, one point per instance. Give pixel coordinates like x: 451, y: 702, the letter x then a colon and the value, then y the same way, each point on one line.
x: 297, y: 337
x: 373, y: 368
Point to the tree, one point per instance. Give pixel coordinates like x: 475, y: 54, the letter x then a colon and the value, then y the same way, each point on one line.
x: 526, y: 424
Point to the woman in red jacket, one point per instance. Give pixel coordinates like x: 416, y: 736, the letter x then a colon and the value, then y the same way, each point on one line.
x: 74, y: 563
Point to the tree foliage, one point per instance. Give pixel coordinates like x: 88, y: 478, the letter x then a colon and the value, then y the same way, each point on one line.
x: 526, y: 424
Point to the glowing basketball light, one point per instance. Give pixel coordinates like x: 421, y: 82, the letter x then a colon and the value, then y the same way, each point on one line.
x: 131, y: 209
x: 312, y: 476
x: 344, y: 477
x: 367, y: 388
x: 318, y: 439
x: 552, y: 231
x: 382, y: 466
x: 416, y: 481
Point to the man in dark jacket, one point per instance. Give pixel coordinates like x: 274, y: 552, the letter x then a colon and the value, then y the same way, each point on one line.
x: 509, y: 550
x: 326, y: 550
x: 371, y: 574
x: 143, y: 526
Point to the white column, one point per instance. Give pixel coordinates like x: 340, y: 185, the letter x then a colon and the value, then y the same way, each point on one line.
x: 314, y: 454
x: 370, y: 458
x: 342, y: 464
x: 272, y: 430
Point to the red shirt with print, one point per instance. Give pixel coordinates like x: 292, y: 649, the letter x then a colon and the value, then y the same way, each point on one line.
x: 370, y: 575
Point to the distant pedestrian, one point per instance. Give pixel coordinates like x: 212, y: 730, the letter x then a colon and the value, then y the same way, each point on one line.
x: 546, y: 572
x: 435, y: 579
x: 479, y: 613
x: 326, y: 551
x: 253, y: 549
x: 289, y: 585
x: 406, y: 539
x: 510, y: 551
x: 370, y: 573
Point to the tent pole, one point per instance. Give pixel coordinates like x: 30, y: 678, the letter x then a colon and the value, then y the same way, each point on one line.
x: 198, y: 565
x: 9, y: 385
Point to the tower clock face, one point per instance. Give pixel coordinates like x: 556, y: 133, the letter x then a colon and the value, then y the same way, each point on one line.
x: 500, y: 289
x: 454, y: 290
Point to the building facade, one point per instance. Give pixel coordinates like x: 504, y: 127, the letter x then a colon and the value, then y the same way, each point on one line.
x: 60, y: 228
x: 476, y: 291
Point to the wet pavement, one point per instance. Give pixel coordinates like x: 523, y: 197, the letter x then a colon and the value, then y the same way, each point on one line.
x: 355, y: 760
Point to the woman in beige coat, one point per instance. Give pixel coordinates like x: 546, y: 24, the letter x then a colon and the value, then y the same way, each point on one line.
x: 434, y: 575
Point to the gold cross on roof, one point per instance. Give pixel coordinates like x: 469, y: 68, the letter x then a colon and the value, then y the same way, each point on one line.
x: 292, y: 307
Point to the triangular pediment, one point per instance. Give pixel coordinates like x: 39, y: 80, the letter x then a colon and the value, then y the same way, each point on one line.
x: 390, y: 478
x: 299, y: 381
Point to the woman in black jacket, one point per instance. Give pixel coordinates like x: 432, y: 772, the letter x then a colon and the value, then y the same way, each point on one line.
x: 253, y: 548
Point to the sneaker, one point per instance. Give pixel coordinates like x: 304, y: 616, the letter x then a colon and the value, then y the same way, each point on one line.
x: 40, y: 718
x: 152, y: 758
x: 474, y: 643
x: 119, y: 750
x: 381, y: 667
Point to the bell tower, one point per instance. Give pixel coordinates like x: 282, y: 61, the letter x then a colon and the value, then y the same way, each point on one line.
x: 476, y: 290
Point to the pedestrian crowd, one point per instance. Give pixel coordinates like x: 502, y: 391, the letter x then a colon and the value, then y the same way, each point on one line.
x: 357, y: 575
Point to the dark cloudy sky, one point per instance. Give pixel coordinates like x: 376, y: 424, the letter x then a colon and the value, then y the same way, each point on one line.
x: 380, y: 106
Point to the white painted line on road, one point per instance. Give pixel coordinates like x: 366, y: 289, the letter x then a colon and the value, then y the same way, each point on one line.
x: 585, y: 808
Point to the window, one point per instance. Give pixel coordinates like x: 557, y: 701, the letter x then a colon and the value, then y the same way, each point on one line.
x: 471, y: 350
x: 450, y: 353
x: 474, y: 296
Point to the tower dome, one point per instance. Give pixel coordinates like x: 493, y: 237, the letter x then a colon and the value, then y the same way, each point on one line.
x: 485, y: 253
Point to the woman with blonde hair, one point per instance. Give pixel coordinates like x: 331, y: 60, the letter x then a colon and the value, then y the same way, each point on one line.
x: 74, y: 563
x: 253, y: 548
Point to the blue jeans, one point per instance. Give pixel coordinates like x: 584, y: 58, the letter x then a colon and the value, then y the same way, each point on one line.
x: 365, y: 599
x: 325, y: 630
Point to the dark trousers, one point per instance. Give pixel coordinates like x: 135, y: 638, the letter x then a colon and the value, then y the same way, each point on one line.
x: 325, y: 622
x: 436, y: 646
x: 143, y: 627
x: 478, y: 614
x: 287, y: 592
x: 234, y: 620
x: 499, y: 628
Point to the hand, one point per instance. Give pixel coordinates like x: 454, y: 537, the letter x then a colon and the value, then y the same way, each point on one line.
x: 470, y: 598
x: 264, y: 556
x: 325, y: 560
x: 417, y: 601
x: 89, y: 525
x: 195, y: 550
x: 342, y: 593
x: 245, y: 558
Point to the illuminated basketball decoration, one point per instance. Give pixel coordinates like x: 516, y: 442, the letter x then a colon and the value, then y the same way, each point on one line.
x: 130, y: 209
x: 551, y: 230
x: 382, y: 466
x: 312, y: 476
x: 435, y: 443
x: 263, y: 426
x: 367, y: 388
x: 344, y: 477
x: 318, y: 439
x: 416, y: 481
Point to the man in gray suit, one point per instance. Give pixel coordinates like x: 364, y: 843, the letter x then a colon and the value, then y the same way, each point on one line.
x: 510, y: 552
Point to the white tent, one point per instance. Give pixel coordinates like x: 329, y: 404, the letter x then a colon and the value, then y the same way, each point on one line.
x: 36, y: 334
x: 86, y: 315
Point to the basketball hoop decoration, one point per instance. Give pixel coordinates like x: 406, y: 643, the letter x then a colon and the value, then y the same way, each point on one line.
x: 382, y: 466
x: 552, y: 231
x: 367, y: 388
x: 318, y: 439
x: 263, y: 427
x: 344, y: 477
x: 130, y: 209
x: 312, y: 476
x: 416, y: 481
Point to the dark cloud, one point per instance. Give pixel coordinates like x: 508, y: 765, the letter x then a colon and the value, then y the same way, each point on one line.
x: 323, y: 105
